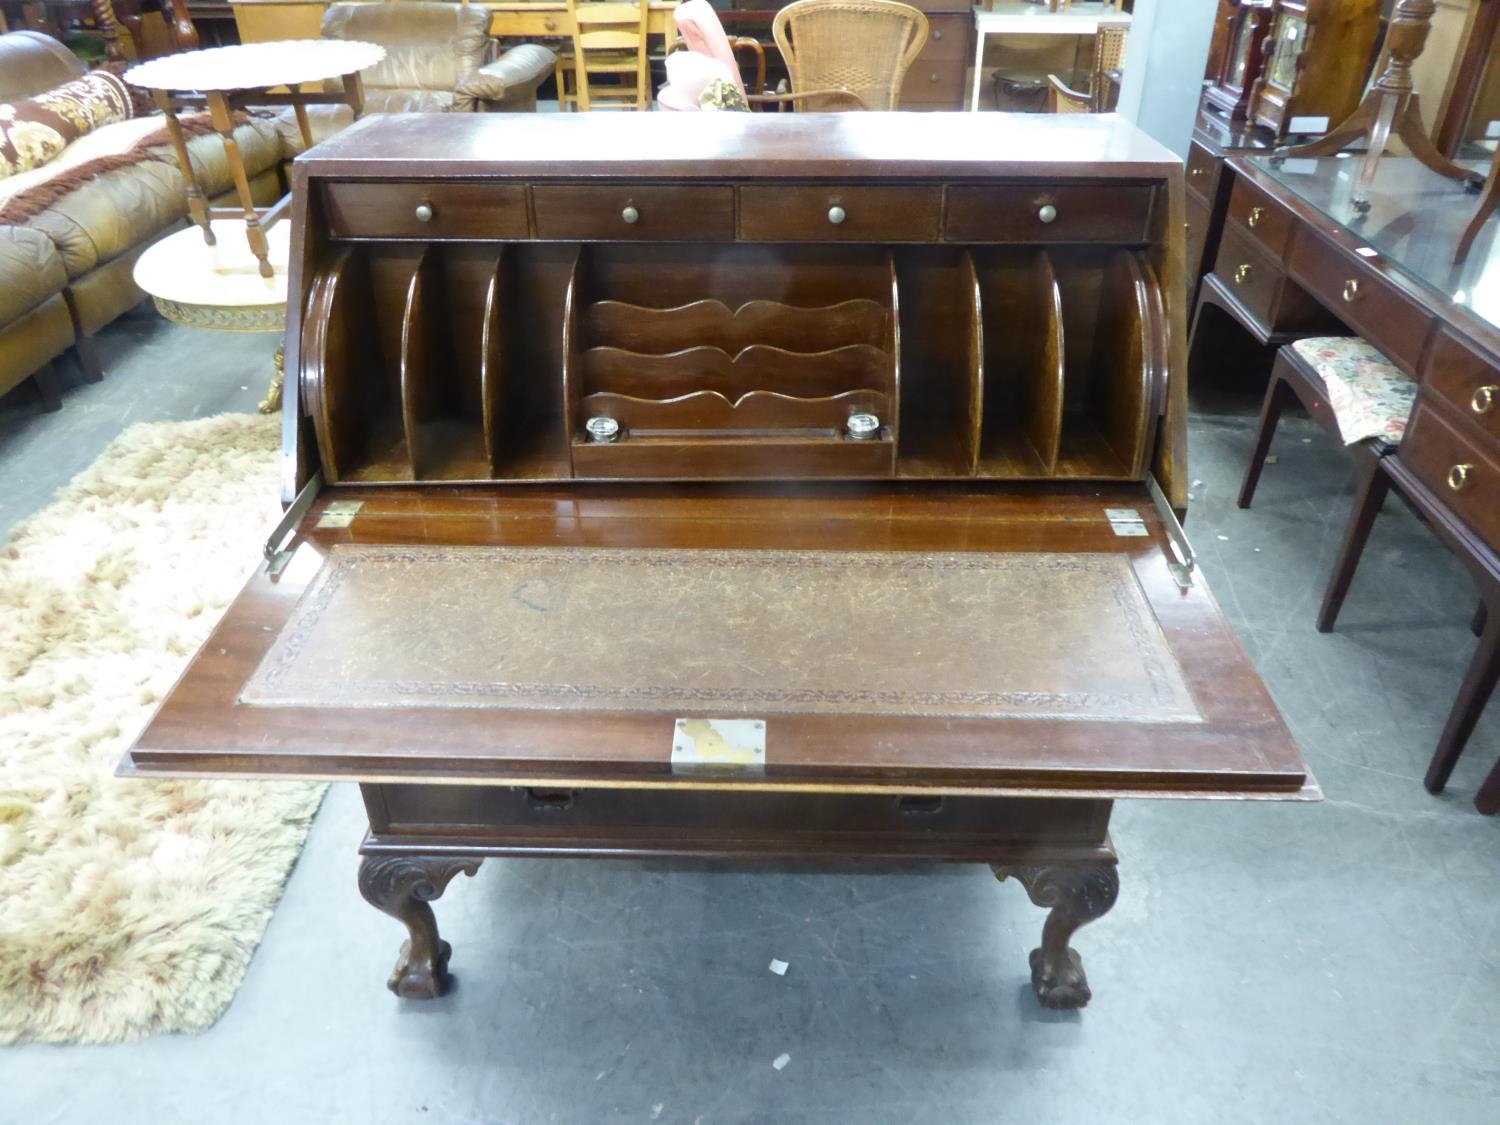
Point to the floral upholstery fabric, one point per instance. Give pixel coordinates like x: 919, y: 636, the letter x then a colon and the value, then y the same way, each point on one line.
x: 37, y: 129
x: 1369, y: 395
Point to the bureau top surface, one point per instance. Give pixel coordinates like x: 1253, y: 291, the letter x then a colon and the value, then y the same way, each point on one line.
x: 742, y: 145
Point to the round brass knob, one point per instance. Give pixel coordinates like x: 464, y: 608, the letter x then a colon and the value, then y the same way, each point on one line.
x: 630, y: 214
x: 1242, y: 272
x: 1196, y: 172
x: 1484, y: 399
x: 1256, y: 215
x: 1047, y: 213
x: 424, y: 212
x: 836, y: 215
x: 1458, y: 476
x: 1351, y: 290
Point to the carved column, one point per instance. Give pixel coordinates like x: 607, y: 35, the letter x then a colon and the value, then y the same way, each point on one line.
x: 1076, y: 894
x: 402, y: 886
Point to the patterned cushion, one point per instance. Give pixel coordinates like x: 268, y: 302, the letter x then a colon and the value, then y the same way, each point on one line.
x: 37, y: 129
x: 1368, y: 394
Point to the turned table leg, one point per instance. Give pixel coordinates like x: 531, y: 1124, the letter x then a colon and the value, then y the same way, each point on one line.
x: 402, y: 886
x: 1076, y: 894
x: 222, y: 114
x: 197, y: 205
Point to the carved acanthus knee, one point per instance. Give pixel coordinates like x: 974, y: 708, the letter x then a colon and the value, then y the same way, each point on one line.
x: 1075, y: 894
x: 403, y: 886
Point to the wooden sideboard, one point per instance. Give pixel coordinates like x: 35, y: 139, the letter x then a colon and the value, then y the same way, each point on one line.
x: 735, y: 485
x: 1296, y: 259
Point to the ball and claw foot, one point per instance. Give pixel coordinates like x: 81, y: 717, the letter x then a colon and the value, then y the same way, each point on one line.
x: 1075, y: 894
x: 404, y: 886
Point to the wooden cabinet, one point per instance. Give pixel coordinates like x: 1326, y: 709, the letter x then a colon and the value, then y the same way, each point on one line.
x: 759, y: 537
x: 936, y: 77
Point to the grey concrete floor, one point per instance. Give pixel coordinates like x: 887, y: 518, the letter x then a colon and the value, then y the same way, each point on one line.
x: 1329, y: 963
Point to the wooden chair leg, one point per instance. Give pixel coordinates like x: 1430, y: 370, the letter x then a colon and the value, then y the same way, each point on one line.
x: 1479, y: 683
x: 1487, y: 800
x: 1372, y: 494
x: 1279, y: 395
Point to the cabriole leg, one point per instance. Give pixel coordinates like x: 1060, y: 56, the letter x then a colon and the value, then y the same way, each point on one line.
x: 402, y: 886
x: 1075, y: 894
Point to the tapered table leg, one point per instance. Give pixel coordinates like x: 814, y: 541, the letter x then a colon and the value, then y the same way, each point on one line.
x: 196, y: 203
x: 1473, y: 694
x: 223, y: 118
x: 403, y: 886
x: 1372, y: 495
x: 1075, y: 894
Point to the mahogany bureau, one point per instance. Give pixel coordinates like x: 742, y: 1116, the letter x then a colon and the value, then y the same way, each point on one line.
x: 735, y: 485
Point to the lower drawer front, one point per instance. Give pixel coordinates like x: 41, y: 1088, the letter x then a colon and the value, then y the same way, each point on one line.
x: 1452, y: 465
x: 1252, y: 275
x: 633, y: 211
x: 839, y: 213
x: 425, y: 210
x: 1049, y: 213
x: 1467, y: 380
x: 1362, y: 299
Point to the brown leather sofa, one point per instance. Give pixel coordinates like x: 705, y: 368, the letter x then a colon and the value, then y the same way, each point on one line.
x: 65, y: 272
x: 434, y: 63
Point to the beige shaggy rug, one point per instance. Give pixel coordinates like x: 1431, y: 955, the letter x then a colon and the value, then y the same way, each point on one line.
x: 131, y: 907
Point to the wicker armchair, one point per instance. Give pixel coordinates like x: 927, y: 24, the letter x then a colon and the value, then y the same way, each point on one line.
x: 861, y: 46
x: 1109, y: 55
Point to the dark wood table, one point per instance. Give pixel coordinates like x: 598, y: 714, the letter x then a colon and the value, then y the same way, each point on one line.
x: 784, y: 486
x: 1298, y: 258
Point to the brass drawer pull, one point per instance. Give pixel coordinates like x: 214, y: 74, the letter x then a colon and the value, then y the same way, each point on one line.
x: 1256, y: 215
x: 1484, y: 399
x: 1458, y: 476
x: 1047, y: 213
x: 424, y: 212
x: 1196, y: 172
x: 836, y: 215
x: 1242, y: 273
x: 1351, y: 290
x: 630, y: 214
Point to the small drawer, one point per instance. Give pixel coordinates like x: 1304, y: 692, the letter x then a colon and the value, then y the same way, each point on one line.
x: 1363, y: 299
x: 1268, y: 222
x: 1252, y: 275
x: 630, y: 211
x: 936, y: 76
x: 1202, y: 174
x: 426, y: 210
x: 838, y: 213
x: 1049, y: 213
x: 1464, y: 478
x: 1467, y: 380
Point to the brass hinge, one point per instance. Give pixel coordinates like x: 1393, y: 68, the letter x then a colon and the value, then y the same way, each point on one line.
x: 1185, y: 560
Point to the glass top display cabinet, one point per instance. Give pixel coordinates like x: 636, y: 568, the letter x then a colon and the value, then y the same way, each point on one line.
x: 1316, y: 61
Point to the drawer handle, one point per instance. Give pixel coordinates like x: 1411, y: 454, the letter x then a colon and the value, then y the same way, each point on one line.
x: 1256, y: 215
x: 1351, y: 290
x: 934, y: 77
x: 1458, y: 476
x: 1047, y: 213
x: 1196, y: 172
x: 630, y: 214
x: 602, y: 429
x: 1242, y: 273
x: 550, y: 24
x: 424, y: 212
x: 937, y: 33
x: 836, y: 215
x: 1484, y: 399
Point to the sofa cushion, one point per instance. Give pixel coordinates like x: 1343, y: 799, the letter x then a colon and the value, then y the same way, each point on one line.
x: 428, y: 46
x: 113, y: 212
x: 31, y: 62
x: 35, y: 130
x: 30, y: 271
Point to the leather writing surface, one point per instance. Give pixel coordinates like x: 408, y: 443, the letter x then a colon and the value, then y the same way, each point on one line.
x: 727, y: 632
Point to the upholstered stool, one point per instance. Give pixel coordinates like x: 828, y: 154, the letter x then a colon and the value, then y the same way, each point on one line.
x: 1346, y: 386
